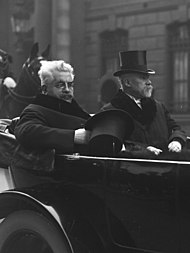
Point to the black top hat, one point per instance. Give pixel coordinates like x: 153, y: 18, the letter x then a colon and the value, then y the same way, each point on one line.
x: 133, y: 61
x: 108, y: 131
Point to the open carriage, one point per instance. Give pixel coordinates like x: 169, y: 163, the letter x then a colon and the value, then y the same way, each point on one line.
x: 97, y: 204
x: 92, y: 203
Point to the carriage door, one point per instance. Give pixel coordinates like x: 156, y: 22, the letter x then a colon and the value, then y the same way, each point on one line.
x: 184, y: 206
x: 142, y: 204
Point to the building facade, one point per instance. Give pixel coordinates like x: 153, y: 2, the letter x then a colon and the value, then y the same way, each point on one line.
x: 24, y: 22
x: 160, y: 27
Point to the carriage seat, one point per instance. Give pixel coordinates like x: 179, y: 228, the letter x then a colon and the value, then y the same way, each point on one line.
x: 23, y: 165
x: 10, y: 150
x: 8, y: 125
x: 8, y: 143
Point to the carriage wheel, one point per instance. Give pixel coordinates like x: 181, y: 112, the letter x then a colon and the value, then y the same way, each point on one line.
x: 30, y: 232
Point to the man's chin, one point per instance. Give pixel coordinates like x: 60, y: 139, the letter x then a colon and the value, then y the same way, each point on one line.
x: 148, y: 96
x: 67, y: 98
x: 68, y: 101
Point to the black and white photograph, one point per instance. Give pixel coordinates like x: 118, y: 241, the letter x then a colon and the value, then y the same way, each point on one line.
x: 94, y: 126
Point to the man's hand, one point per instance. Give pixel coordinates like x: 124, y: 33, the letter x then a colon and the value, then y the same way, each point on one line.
x: 81, y: 136
x: 175, y: 146
x: 154, y: 150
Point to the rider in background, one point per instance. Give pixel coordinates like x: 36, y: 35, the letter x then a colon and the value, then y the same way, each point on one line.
x: 6, y: 76
x: 7, y: 80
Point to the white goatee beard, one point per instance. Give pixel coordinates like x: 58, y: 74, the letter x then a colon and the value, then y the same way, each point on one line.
x: 148, y: 91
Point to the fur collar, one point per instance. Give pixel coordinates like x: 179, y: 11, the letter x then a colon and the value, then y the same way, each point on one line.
x: 145, y: 115
x: 62, y: 106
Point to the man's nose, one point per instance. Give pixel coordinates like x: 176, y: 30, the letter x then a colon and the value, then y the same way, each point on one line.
x: 65, y: 87
x: 148, y: 82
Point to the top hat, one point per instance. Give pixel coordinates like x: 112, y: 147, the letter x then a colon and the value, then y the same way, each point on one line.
x: 133, y: 61
x: 108, y: 129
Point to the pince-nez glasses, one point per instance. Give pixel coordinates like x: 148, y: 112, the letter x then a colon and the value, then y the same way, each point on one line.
x: 64, y: 85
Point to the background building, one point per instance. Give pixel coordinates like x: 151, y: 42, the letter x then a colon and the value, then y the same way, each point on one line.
x: 160, y: 27
x: 89, y: 34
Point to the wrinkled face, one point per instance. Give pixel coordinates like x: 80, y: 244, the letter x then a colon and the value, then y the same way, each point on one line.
x: 61, y: 90
x: 138, y: 83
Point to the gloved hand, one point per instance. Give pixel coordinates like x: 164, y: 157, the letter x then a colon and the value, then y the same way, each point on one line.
x: 175, y: 146
x: 81, y: 136
x: 154, y: 150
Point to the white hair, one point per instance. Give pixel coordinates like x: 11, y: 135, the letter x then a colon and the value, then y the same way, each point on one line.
x: 55, y: 70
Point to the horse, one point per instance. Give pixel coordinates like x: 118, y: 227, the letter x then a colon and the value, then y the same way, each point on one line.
x: 27, y: 87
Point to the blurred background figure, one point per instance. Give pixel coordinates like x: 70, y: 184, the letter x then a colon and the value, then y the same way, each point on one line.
x: 7, y: 80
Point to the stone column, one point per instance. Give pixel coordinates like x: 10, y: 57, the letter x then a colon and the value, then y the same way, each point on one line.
x: 61, y: 29
x: 43, y: 23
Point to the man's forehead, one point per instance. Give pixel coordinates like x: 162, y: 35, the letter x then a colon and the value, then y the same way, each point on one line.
x: 63, y: 76
x: 61, y: 80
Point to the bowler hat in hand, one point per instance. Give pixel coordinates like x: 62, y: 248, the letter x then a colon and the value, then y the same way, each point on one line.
x: 108, y: 129
x: 133, y: 61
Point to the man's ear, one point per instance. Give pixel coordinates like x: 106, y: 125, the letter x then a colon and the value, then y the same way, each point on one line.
x: 127, y: 83
x: 44, y: 89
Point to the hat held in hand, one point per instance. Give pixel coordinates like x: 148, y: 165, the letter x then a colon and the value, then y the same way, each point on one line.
x: 108, y: 129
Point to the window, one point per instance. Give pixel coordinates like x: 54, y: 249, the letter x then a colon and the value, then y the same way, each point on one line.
x: 111, y: 43
x: 179, y: 55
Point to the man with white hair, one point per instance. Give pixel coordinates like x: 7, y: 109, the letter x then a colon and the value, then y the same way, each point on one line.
x: 55, y: 120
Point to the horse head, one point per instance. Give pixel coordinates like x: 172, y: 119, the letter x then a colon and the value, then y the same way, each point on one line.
x: 29, y: 81
x: 28, y: 85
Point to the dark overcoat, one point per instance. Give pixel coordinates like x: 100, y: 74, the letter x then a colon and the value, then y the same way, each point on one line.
x: 153, y: 123
x: 45, y: 128
x: 50, y: 123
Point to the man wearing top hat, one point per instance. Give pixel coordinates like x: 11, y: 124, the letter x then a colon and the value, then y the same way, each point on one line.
x: 154, y: 128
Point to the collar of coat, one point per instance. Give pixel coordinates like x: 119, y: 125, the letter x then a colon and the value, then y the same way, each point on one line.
x: 62, y: 106
x: 145, y: 115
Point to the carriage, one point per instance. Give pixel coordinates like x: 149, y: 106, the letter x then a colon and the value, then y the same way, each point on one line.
x: 98, y: 204
x: 95, y: 203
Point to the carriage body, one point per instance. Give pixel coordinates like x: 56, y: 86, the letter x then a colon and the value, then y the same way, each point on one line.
x: 99, y: 204
x: 95, y: 204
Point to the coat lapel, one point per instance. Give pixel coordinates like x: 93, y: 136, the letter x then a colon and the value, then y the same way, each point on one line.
x: 143, y: 116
